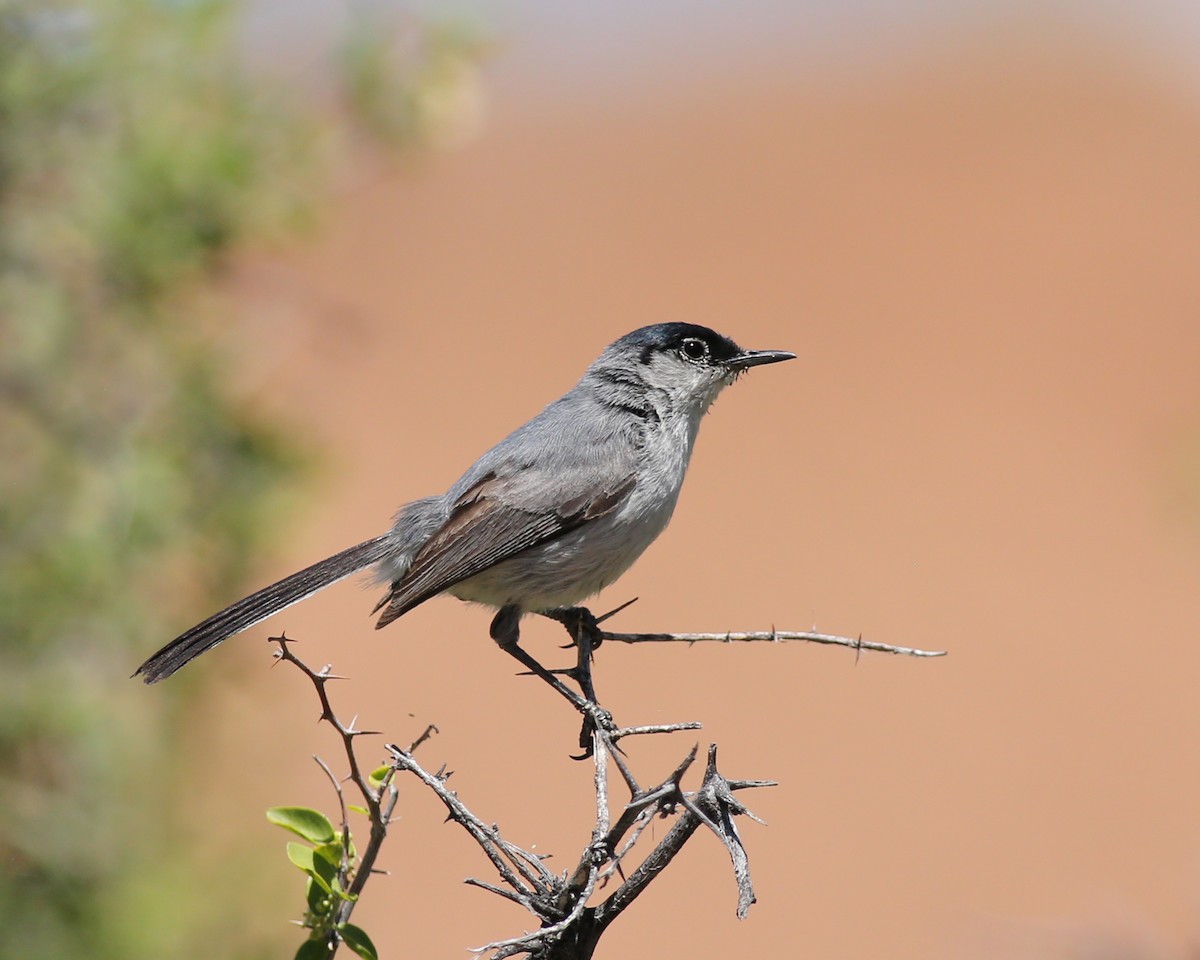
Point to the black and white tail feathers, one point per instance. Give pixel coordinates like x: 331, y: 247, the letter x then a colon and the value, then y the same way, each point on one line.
x: 258, y: 606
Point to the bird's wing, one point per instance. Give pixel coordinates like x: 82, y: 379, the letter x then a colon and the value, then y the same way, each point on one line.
x: 482, y: 530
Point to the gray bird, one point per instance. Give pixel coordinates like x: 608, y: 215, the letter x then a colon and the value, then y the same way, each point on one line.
x: 552, y: 514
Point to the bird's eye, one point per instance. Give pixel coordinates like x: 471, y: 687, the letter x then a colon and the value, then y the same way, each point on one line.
x: 694, y: 349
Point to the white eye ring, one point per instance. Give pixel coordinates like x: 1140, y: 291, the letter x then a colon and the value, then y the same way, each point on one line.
x: 693, y: 348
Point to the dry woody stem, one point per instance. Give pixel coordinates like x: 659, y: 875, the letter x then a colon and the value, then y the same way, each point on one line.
x: 572, y: 910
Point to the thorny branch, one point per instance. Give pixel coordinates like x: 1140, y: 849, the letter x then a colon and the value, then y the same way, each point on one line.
x: 379, y: 799
x: 569, y: 924
x: 770, y: 636
x: 857, y: 644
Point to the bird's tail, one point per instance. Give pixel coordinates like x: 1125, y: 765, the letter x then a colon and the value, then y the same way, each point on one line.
x: 258, y: 606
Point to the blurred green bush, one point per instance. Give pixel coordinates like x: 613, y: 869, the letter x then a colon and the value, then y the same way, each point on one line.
x: 135, y: 154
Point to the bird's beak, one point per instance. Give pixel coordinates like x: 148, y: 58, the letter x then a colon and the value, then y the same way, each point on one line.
x: 755, y: 358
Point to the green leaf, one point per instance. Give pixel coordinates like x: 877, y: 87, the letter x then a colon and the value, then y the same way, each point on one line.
x: 313, y: 950
x: 301, y: 856
x: 357, y: 940
x: 316, y: 867
x: 363, y: 810
x: 312, y: 825
x: 324, y: 872
x: 379, y: 774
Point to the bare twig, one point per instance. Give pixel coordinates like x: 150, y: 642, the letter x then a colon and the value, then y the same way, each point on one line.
x: 770, y: 636
x: 520, y: 869
x: 428, y: 732
x: 380, y: 801
x: 655, y: 728
x: 499, y: 891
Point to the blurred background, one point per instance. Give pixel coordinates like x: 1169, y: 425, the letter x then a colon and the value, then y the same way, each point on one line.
x: 270, y: 269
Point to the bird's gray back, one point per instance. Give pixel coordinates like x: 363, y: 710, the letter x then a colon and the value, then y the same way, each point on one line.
x: 572, y: 448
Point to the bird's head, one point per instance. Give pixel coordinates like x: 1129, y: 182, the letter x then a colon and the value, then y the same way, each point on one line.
x: 687, y: 363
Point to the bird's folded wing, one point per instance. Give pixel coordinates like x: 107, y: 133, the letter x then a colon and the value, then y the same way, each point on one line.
x: 482, y: 530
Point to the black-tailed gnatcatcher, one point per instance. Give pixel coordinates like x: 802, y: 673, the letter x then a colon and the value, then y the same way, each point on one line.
x: 551, y: 515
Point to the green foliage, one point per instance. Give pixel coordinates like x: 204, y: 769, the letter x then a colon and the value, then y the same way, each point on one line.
x: 358, y: 941
x: 135, y: 156
x: 329, y: 865
x: 132, y: 160
x: 309, y: 824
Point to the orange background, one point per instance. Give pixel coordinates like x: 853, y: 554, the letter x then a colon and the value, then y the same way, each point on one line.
x: 986, y: 257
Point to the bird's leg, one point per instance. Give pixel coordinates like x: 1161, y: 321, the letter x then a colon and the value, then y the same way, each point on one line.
x: 506, y: 631
x: 586, y: 636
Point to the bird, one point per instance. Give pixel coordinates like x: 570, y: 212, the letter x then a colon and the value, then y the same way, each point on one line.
x: 549, y: 516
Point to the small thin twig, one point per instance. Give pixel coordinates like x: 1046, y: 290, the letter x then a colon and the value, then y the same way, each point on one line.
x: 501, y: 892
x: 428, y: 732
x: 654, y: 728
x: 770, y: 636
x: 534, y: 880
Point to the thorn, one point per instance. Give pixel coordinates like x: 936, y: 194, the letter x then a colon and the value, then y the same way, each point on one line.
x: 612, y: 613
